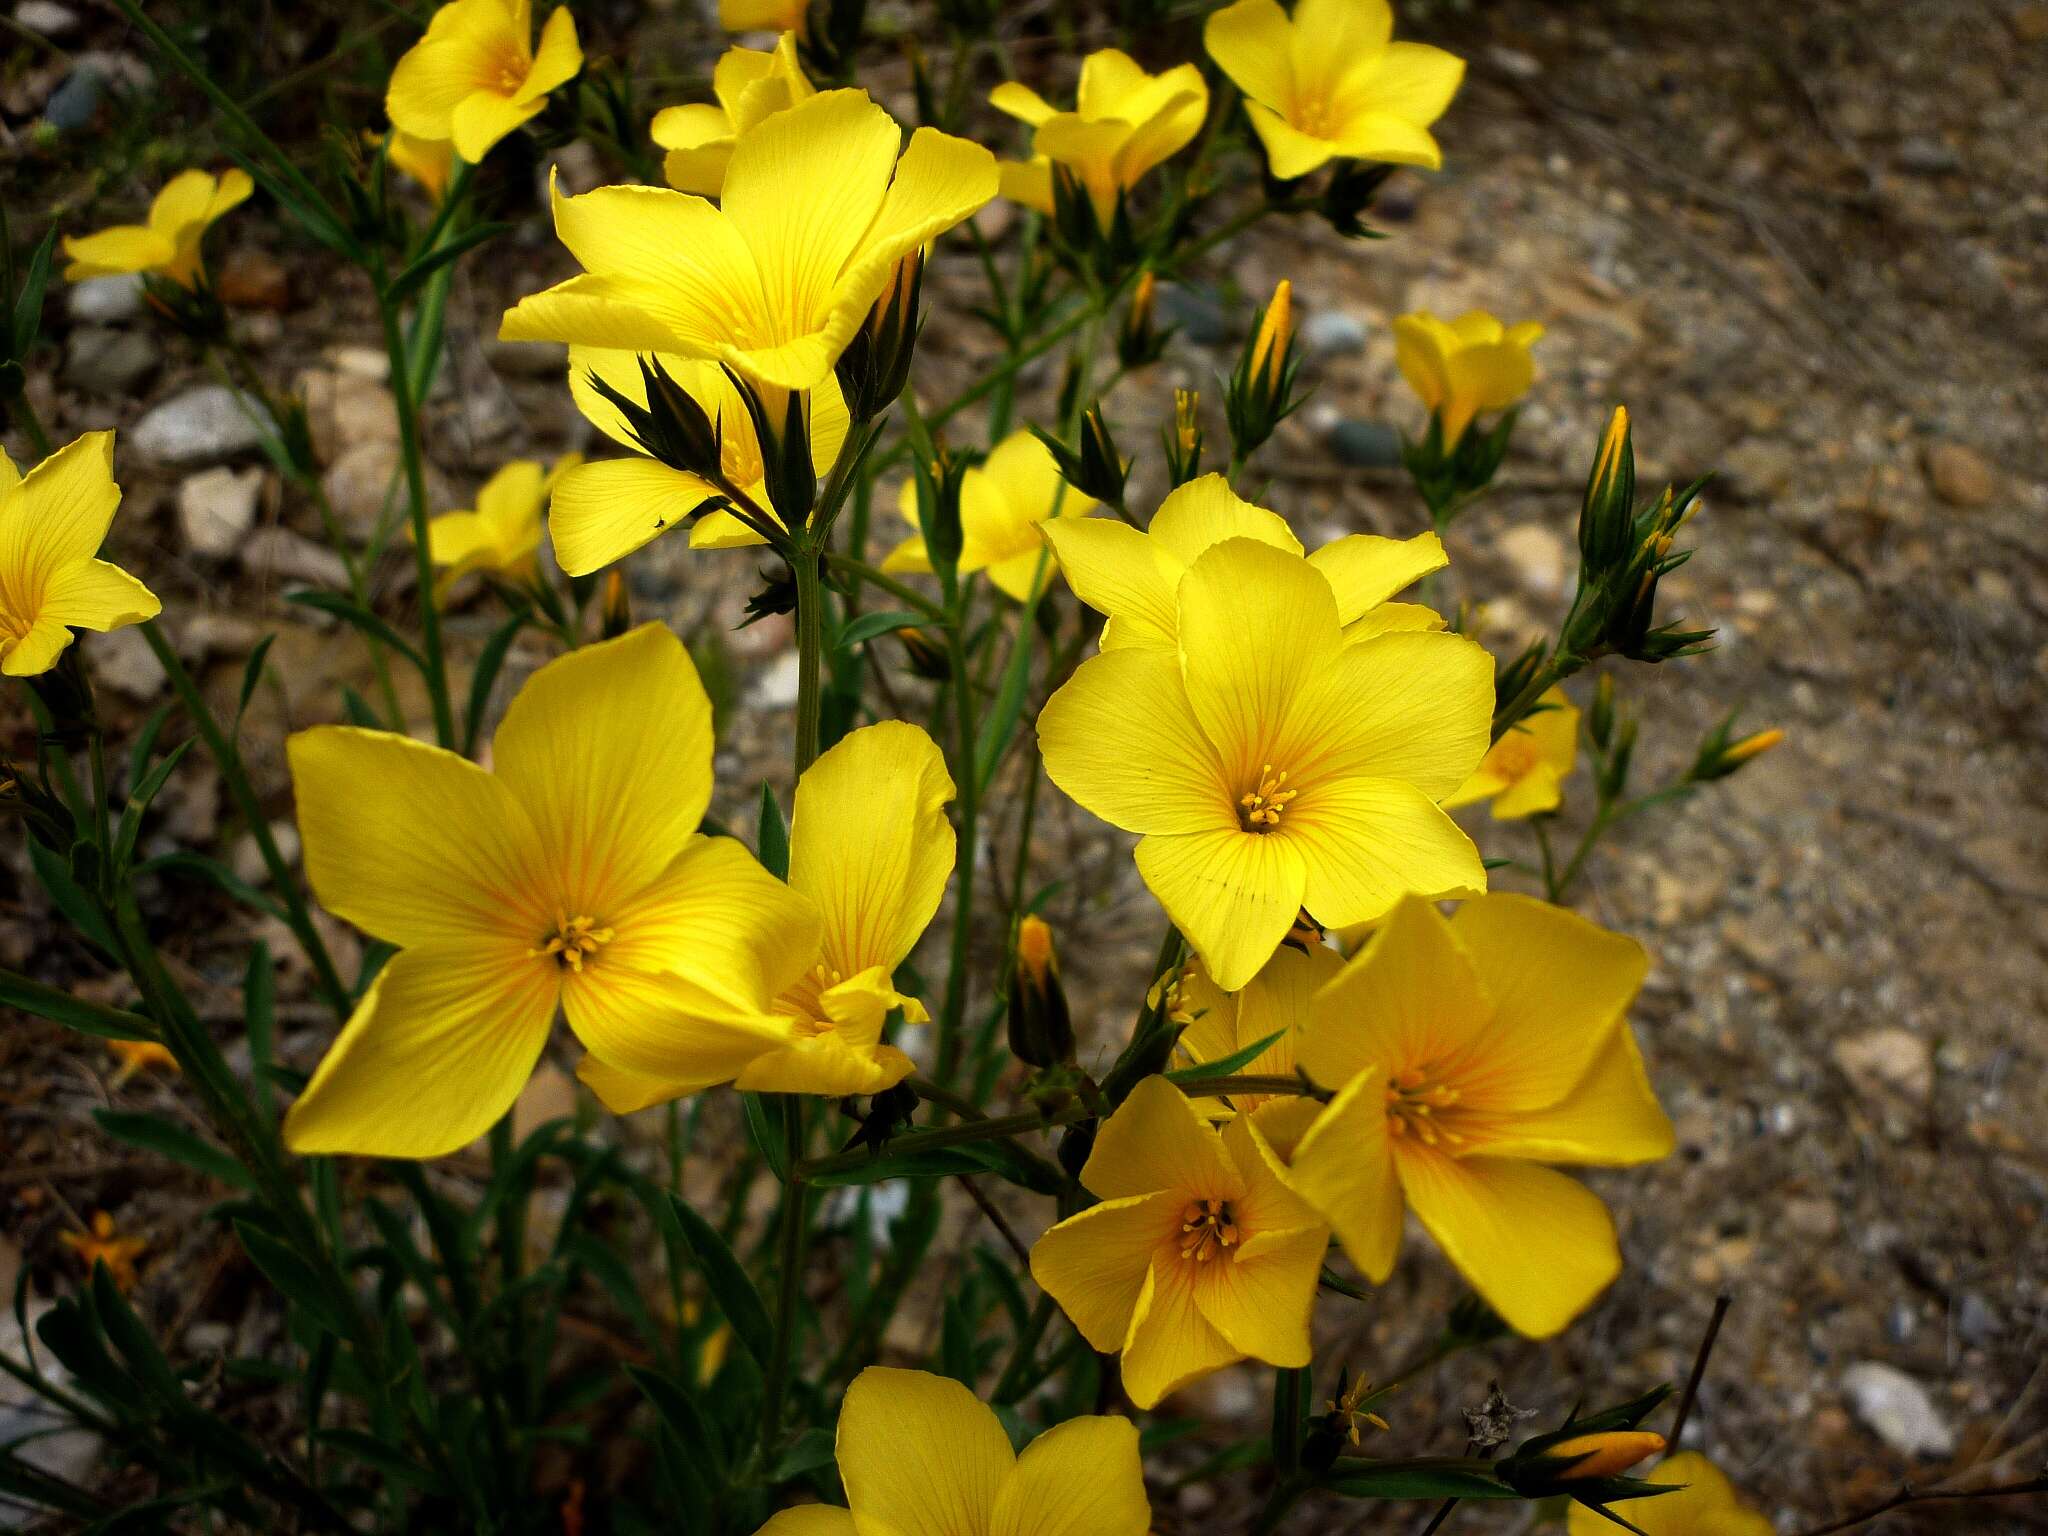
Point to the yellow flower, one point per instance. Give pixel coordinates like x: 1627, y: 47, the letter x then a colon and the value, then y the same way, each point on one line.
x: 1198, y: 1256
x: 52, y: 522
x: 503, y: 533
x: 569, y: 873
x: 920, y: 1455
x: 476, y: 75
x: 1268, y: 766
x: 1466, y: 367
x: 1132, y: 577
x: 1467, y: 1054
x: 1004, y: 502
x: 1523, y: 773
x: 104, y: 1245
x: 751, y: 86
x: 764, y: 15
x: 139, y: 1056
x: 774, y: 280
x: 1328, y: 84
x: 430, y: 162
x: 168, y: 245
x: 603, y: 511
x: 1707, y: 1505
x: 870, y: 852
x: 1274, y: 1002
x: 1123, y: 124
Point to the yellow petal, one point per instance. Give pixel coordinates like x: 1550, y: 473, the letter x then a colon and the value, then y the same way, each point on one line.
x: 1706, y: 1505
x: 1290, y: 152
x: 1421, y: 353
x: 1251, y: 42
x: 1333, y: 39
x: 1537, y: 791
x: 1560, y: 988
x: 1393, y: 619
x: 1020, y: 102
x: 1167, y: 128
x: 1121, y: 573
x: 1364, y: 569
x: 95, y: 595
x: 1390, y: 140
x: 1120, y: 740
x: 1080, y: 1478
x: 124, y: 248
x: 811, y: 1520
x: 1366, y: 843
x: 37, y: 649
x: 1155, y: 1141
x: 482, y: 118
x: 920, y: 1454
x: 602, y: 512
x: 1027, y: 181
x: 412, y: 843
x: 1611, y: 1117
x: 1414, y: 707
x: 666, y: 1029
x: 1233, y: 894
x: 556, y: 60
x: 1094, y: 1264
x: 700, y: 170
x: 1344, y: 1167
x: 446, y: 66
x: 826, y: 1064
x: 1414, y: 81
x: 1260, y: 1296
x: 1196, y: 517
x: 870, y: 843
x: 1537, y: 1245
x: 608, y: 749
x: 433, y: 1056
x: 1410, y: 997
x: 1170, y: 1342
x: 58, y: 515
x: 627, y: 1093
x: 694, y: 125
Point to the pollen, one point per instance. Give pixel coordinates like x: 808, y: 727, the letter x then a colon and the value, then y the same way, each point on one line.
x: 573, y: 942
x: 1206, y: 1229
x: 1262, y: 806
x: 1416, y: 1107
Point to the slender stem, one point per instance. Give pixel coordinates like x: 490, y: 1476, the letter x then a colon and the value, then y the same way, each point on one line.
x: 1014, y: 1382
x: 1911, y: 1495
x: 789, y: 1278
x: 1286, y: 1447
x: 909, y: 596
x: 31, y: 423
x: 810, y: 648
x: 953, y: 1012
x: 416, y: 492
x: 1283, y: 1498
x: 1699, y: 1368
x: 229, y: 761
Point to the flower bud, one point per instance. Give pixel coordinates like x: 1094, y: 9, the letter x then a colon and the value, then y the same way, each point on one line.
x: 1275, y: 336
x: 1607, y: 513
x: 939, y: 481
x: 1139, y: 342
x: 1718, y: 757
x: 617, y: 613
x: 928, y: 659
x: 671, y: 426
x: 782, y: 425
x: 1261, y: 393
x: 1096, y: 468
x: 1604, y: 1455
x: 1041, y: 1030
x: 876, y: 363
x: 1184, y: 439
x: 1600, y: 718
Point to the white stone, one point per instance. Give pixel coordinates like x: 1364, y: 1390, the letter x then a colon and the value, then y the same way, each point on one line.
x: 122, y: 660
x: 776, y: 688
x: 1898, y: 1408
x: 278, y: 554
x: 56, y: 22
x: 103, y: 300
x: 217, y: 509
x: 68, y: 1453
x: 200, y: 426
x: 1537, y: 554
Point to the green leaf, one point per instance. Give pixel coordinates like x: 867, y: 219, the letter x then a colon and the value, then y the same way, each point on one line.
x: 728, y: 1283
x: 252, y: 674
x: 679, y: 1411
x: 771, y: 836
x: 765, y: 1124
x: 812, y: 1451
x: 299, y: 1282
x: 213, y: 872
x: 28, y: 304
x: 374, y: 1453
x: 356, y: 709
x: 343, y: 607
x: 73, y: 1012
x: 867, y: 626
x: 259, y: 1017
x: 1420, y: 1477
x: 1223, y: 1066
x: 139, y: 800
x: 155, y: 1134
x: 69, y: 897
x: 489, y: 662
x: 145, y: 743
x: 1000, y: 724
x: 403, y: 285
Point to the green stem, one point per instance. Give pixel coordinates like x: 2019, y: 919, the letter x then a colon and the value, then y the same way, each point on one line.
x: 908, y: 596
x: 953, y: 1012
x: 789, y: 1278
x: 1016, y: 1379
x: 810, y: 648
x: 228, y: 759
x: 416, y: 490
x: 32, y: 424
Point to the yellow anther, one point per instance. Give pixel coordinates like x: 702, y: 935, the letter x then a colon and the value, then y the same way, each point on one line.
x: 574, y: 941
x: 1415, y: 1107
x: 1206, y: 1228
x: 1262, y: 806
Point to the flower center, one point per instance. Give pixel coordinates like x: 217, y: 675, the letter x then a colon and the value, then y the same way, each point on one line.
x: 1262, y: 806
x: 1514, y: 755
x: 1206, y: 1229
x: 573, y: 942
x: 1416, y: 1105
x: 511, y: 67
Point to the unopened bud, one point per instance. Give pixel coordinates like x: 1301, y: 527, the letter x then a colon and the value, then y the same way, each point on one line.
x: 1262, y: 389
x: 618, y: 608
x: 1095, y: 468
x: 928, y: 659
x: 1753, y: 746
x: 1607, y: 514
x: 876, y: 363
x: 1718, y: 757
x: 1275, y: 335
x: 1604, y: 1455
x: 782, y: 424
x: 1041, y: 1029
x: 1139, y: 342
x: 1184, y: 438
x: 1600, y: 718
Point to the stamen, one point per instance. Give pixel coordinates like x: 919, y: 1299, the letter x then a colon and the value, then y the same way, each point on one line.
x: 1262, y: 806
x: 574, y: 940
x: 1207, y: 1228
x: 1416, y: 1105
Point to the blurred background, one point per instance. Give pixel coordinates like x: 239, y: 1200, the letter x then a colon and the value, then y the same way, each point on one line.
x: 1807, y: 246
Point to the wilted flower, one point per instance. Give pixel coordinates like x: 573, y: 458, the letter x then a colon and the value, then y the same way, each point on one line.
x: 1269, y: 764
x: 168, y: 245
x: 103, y: 1244
x: 1328, y: 83
x: 476, y: 75
x: 1123, y: 124
x: 1198, y: 1255
x: 1523, y: 773
x: 1465, y: 367
x: 911, y: 1445
x: 751, y: 86
x: 568, y: 875
x: 52, y: 523
x: 1469, y: 1053
x: 1005, y: 502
